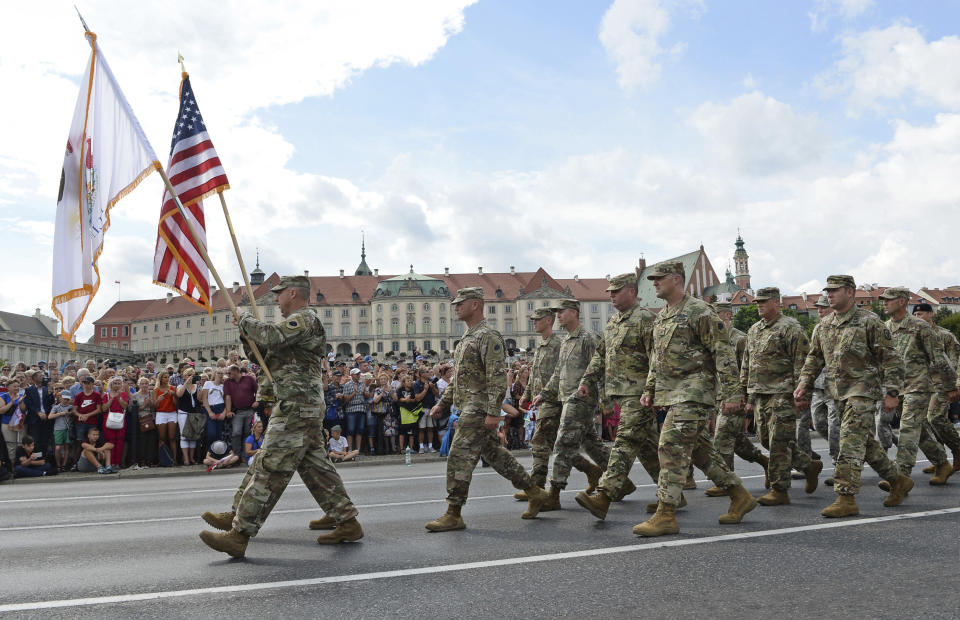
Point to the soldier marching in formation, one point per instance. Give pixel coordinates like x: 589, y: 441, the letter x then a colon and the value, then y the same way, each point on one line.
x: 687, y: 359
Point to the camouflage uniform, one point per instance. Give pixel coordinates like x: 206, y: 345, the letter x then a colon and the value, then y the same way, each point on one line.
x: 729, y: 438
x: 294, y: 442
x: 923, y: 357
x: 577, y: 427
x: 621, y: 363
x: 938, y: 411
x: 772, y: 362
x: 856, y: 350
x: 477, y: 389
x: 691, y: 353
x: 548, y: 413
x: 823, y: 410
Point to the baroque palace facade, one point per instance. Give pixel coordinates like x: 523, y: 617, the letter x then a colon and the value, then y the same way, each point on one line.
x: 386, y: 316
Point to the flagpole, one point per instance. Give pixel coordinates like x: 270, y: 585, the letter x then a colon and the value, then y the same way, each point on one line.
x: 236, y: 248
x: 213, y: 270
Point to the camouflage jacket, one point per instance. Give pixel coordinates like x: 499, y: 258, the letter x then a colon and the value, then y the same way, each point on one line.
x: 857, y: 351
x: 774, y: 356
x: 622, y: 359
x: 950, y: 345
x: 575, y: 353
x: 738, y: 340
x: 691, y: 355
x: 479, y: 374
x: 544, y: 363
x: 293, y: 350
x: 925, y: 366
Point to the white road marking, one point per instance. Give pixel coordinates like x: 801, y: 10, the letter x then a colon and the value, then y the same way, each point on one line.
x: 446, y: 568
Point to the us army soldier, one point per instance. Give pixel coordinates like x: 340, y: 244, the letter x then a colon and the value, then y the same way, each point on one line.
x: 477, y: 389
x: 823, y: 409
x: 621, y: 363
x: 923, y: 362
x: 857, y: 351
x: 548, y: 414
x: 776, y: 349
x: 691, y: 352
x: 938, y: 412
x: 577, y: 428
x: 294, y: 440
x: 729, y: 438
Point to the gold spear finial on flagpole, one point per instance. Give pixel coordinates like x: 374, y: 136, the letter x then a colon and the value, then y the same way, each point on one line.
x: 82, y: 21
x: 183, y: 69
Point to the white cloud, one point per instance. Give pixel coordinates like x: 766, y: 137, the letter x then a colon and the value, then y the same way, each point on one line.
x: 882, y: 66
x: 759, y: 135
x: 825, y: 10
x: 631, y: 31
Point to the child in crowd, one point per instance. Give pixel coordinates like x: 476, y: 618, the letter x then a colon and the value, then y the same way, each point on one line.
x: 95, y: 454
x: 338, y: 448
x: 61, y: 414
x: 26, y: 463
x: 220, y: 456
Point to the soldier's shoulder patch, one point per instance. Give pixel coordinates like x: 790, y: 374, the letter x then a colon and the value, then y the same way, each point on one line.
x: 292, y: 325
x: 496, y: 347
x: 720, y: 325
x: 887, y: 334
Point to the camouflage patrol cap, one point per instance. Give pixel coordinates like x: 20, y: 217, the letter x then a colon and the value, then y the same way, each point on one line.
x: 540, y: 313
x: 722, y: 306
x: 770, y: 292
x: 895, y: 292
x: 823, y: 302
x: 472, y: 292
x: 567, y: 304
x: 666, y: 268
x: 291, y: 281
x: 622, y: 280
x: 835, y: 282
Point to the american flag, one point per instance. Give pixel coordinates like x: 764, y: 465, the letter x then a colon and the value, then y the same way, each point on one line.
x: 195, y: 173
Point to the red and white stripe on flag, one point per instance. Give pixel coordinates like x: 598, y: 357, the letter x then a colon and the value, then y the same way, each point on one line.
x: 195, y: 173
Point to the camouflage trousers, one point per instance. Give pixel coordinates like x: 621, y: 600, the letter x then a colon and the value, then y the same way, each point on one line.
x: 472, y: 441
x: 545, y: 435
x: 916, y: 432
x: 857, y: 444
x: 577, y: 430
x: 293, y: 443
x: 685, y: 438
x: 939, y: 419
x: 729, y: 439
x: 776, y: 418
x: 884, y: 424
x: 803, y: 432
x: 637, y: 435
x: 826, y: 420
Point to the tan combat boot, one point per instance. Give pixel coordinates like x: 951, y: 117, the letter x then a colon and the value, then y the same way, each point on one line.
x: 539, y: 500
x: 884, y: 486
x: 451, y: 520
x: 233, y: 543
x: 553, y: 500
x: 663, y: 521
x: 716, y: 491
x: 628, y: 488
x: 690, y: 483
x: 324, y: 523
x: 774, y: 497
x: 594, y: 473
x: 348, y: 531
x: 521, y: 496
x: 220, y: 520
x: 843, y: 506
x: 652, y: 507
x: 929, y: 469
x: 812, y: 476
x: 943, y: 471
x: 898, y: 491
x: 741, y: 502
x: 598, y: 504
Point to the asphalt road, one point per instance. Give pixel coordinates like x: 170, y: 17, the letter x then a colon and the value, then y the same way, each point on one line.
x: 129, y: 548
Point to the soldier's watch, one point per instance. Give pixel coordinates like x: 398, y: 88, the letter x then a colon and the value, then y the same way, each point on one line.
x: 893, y: 393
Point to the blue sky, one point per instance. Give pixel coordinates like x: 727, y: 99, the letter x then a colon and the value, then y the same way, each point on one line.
x: 569, y: 135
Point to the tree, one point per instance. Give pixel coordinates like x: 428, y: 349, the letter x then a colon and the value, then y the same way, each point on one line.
x: 877, y: 308
x: 952, y: 323
x: 806, y: 321
x: 942, y: 314
x: 745, y: 317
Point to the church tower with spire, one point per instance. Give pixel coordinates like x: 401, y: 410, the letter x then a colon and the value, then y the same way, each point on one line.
x: 363, y: 269
x: 257, y: 275
x: 741, y: 264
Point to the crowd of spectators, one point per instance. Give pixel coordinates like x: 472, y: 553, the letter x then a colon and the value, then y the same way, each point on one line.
x: 101, y: 417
